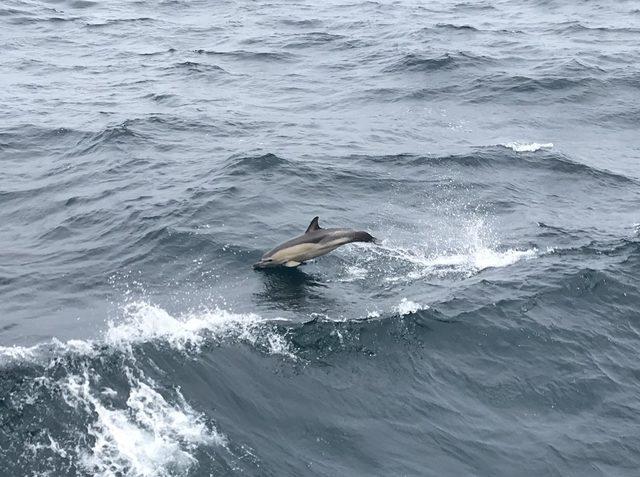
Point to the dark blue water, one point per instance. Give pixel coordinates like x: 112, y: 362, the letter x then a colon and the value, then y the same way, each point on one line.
x: 150, y: 152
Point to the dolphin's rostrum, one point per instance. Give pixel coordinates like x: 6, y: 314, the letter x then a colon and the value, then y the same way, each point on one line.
x: 313, y: 243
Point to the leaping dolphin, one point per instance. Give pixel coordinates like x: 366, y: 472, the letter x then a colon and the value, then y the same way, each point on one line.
x: 313, y: 243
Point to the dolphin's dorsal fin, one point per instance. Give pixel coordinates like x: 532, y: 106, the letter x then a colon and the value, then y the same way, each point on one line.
x: 313, y: 225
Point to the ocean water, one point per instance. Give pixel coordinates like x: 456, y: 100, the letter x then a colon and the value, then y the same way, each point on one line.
x: 151, y: 151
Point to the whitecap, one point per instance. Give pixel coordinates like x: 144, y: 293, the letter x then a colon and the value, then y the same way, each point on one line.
x: 142, y: 322
x: 528, y: 146
x: 18, y: 353
x: 407, y: 307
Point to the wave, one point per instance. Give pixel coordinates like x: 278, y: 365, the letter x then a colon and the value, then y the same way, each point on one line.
x: 474, y: 6
x: 499, y: 157
x: 270, y: 56
x: 301, y: 23
x: 106, y: 407
x: 579, y: 27
x: 493, y: 157
x: 312, y: 39
x: 118, y: 419
x: 28, y: 19
x: 451, y: 26
x: 158, y: 52
x: 242, y: 164
x: 148, y: 323
x: 528, y: 146
x: 570, y: 82
x: 120, y: 21
x: 531, y: 84
x: 8, y: 11
x: 116, y: 134
x: 162, y: 97
x: 112, y: 415
x: 82, y: 4
x: 408, y: 307
x: 69, y: 142
x: 144, y: 323
x: 126, y: 133
x: 622, y: 248
x: 194, y: 66
x: 16, y: 137
x: 414, y: 62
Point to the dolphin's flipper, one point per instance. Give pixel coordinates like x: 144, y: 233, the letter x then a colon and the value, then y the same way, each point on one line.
x: 291, y: 263
x: 313, y: 225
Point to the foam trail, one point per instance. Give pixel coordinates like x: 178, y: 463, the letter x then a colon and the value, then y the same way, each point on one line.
x: 472, y: 250
x: 474, y: 261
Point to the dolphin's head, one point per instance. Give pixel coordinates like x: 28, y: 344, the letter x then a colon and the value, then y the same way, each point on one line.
x: 266, y: 262
x: 362, y: 236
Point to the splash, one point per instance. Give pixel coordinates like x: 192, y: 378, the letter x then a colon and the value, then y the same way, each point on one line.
x: 474, y: 249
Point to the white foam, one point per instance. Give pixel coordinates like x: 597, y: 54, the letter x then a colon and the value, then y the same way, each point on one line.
x: 150, y: 437
x: 43, y: 351
x: 407, y: 307
x: 528, y: 146
x: 468, y: 263
x: 107, y: 391
x: 482, y: 258
x: 144, y: 322
x: 353, y: 273
x: 18, y: 353
x: 279, y: 345
x: 472, y: 250
x: 53, y: 446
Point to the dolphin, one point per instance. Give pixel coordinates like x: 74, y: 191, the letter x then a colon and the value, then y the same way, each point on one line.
x: 313, y: 243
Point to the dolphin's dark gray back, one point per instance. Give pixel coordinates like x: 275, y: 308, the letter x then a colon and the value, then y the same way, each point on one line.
x: 317, y: 236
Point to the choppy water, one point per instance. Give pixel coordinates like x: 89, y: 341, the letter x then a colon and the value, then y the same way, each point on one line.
x: 150, y: 152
